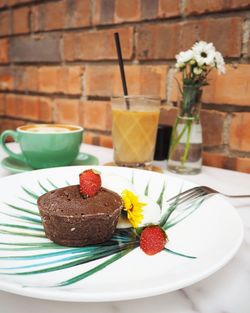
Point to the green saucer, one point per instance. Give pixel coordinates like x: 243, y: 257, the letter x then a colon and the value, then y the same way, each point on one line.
x: 16, y: 166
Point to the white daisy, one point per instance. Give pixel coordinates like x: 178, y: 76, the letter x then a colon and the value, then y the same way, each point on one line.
x: 197, y: 70
x: 204, y: 53
x: 184, y: 57
x: 220, y: 64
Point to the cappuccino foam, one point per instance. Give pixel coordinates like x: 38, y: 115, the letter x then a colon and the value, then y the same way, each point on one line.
x: 47, y: 128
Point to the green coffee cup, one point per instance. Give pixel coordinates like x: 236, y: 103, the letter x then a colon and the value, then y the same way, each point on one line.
x: 45, y: 145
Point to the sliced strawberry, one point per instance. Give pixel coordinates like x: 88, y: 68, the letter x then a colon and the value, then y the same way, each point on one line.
x: 90, y: 183
x: 153, y: 239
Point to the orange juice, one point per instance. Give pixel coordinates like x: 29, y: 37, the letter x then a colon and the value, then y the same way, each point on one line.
x: 134, y: 136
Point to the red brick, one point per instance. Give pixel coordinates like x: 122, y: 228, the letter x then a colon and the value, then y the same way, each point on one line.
x: 212, y: 120
x: 4, y: 51
x: 48, y: 78
x: 168, y: 115
x: 231, y: 88
x: 91, y: 138
x: 71, y: 47
x: 11, y: 108
x: 96, y: 19
x: 97, y: 45
x: 225, y: 33
x: 128, y: 10
x: 69, y: 79
x: 45, y: 109
x: 4, y: 23
x: 78, y: 13
x: 213, y: 159
x: 154, y: 39
x: 6, y: 79
x: 149, y: 9
x: 60, y: 79
x: 31, y: 78
x: 103, y: 12
x: 37, y: 17
x: 144, y: 80
x: 169, y: 8
x: 61, y: 82
x: 243, y: 165
x: 240, y: 132
x: 219, y: 160
x: 18, y: 74
x: 20, y: 20
x: 74, y: 80
x: 26, y: 78
x: 106, y: 80
x: 189, y: 32
x: 29, y: 107
x: 26, y: 107
x: 194, y: 7
x: 54, y: 16
x: 98, y: 80
x: 2, y: 104
x: 106, y: 141
x: 204, y: 6
x: 174, y: 95
x: 49, y: 16
x: 67, y: 111
x: 95, y: 114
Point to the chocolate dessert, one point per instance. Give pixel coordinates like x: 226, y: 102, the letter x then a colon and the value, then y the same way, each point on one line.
x: 69, y: 219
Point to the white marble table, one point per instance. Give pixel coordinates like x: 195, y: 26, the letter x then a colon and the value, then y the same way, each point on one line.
x: 226, y: 291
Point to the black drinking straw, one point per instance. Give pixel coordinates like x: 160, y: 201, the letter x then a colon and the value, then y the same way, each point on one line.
x: 121, y: 65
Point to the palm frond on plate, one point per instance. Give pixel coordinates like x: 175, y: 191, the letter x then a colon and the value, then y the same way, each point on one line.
x: 31, y: 256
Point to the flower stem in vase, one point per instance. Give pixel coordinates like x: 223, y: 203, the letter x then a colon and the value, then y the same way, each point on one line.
x: 186, y: 146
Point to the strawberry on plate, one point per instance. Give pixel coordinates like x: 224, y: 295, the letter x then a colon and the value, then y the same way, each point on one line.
x: 90, y: 183
x: 153, y: 239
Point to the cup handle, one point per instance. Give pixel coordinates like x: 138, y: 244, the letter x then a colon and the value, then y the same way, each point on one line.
x: 14, y: 135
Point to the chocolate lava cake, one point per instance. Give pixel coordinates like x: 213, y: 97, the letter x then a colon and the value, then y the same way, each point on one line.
x: 69, y: 219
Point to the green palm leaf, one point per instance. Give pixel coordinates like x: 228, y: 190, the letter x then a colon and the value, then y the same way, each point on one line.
x: 180, y: 254
x: 160, y: 199
x: 95, y: 269
x: 22, y: 209
x: 43, y: 188
x: 84, y: 258
x: 122, y: 242
x: 22, y: 227
x: 31, y: 193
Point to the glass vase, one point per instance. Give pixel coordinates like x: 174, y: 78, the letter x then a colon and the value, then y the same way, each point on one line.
x: 185, y: 153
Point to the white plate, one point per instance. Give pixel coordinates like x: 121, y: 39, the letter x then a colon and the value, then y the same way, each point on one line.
x: 212, y: 234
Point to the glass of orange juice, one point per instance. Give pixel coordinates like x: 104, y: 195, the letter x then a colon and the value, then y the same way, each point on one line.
x: 134, y: 128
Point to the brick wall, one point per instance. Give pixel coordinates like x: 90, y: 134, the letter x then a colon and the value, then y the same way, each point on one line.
x: 58, y: 64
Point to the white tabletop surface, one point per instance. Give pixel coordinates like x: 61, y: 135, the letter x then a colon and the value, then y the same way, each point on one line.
x: 226, y: 291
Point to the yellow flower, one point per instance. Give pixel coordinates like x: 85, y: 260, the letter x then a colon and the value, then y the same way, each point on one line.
x: 133, y: 207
